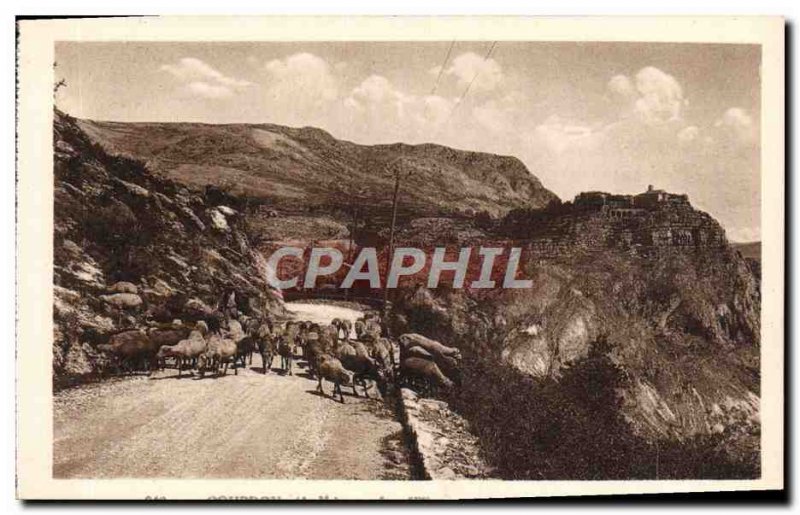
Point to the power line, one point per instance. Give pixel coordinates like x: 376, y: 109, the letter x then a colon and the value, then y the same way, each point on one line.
x: 464, y: 94
x: 444, y: 64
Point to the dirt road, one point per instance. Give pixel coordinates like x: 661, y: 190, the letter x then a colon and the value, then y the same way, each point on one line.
x: 246, y: 426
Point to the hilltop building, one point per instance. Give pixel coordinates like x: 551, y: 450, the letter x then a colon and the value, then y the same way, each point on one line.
x: 652, y: 221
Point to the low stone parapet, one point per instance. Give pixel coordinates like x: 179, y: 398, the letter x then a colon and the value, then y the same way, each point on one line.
x: 440, y: 439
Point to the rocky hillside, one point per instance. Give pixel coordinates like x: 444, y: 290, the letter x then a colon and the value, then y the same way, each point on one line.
x: 132, y: 248
x: 615, y: 364
x: 300, y: 169
x: 634, y: 355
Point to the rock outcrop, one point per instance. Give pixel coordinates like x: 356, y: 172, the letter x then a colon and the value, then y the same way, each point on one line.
x: 131, y: 247
x: 670, y: 340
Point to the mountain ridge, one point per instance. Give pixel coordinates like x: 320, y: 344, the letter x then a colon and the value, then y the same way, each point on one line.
x: 281, y: 165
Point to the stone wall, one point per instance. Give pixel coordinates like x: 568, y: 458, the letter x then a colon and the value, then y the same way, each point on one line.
x: 573, y: 229
x: 440, y: 439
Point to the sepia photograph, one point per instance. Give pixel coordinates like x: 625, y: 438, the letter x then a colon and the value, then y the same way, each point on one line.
x: 405, y: 260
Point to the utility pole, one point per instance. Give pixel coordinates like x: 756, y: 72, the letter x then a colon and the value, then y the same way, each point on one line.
x: 391, y: 240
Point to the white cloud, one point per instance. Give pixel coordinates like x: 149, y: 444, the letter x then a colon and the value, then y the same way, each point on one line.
x: 299, y: 89
x: 377, y: 89
x: 654, y: 97
x: 688, y: 134
x: 559, y: 135
x: 378, y: 95
x: 207, y: 90
x: 487, y: 74
x: 661, y: 97
x: 736, y: 124
x: 303, y: 75
x: 621, y: 86
x: 192, y: 70
x: 650, y: 104
x: 503, y: 115
x: 436, y: 109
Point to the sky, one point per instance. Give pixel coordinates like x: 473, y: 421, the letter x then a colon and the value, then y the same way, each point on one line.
x: 581, y: 116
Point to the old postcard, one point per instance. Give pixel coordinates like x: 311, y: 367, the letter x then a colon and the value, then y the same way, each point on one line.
x: 399, y: 258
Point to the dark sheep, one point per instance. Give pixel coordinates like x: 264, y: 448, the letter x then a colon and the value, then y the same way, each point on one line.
x: 435, y: 348
x: 355, y: 358
x: 332, y: 370
x: 418, y: 352
x: 414, y: 370
x: 267, y: 345
x: 313, y: 352
x: 286, y: 352
x: 382, y: 350
x: 244, y: 349
x: 448, y: 359
x: 131, y: 349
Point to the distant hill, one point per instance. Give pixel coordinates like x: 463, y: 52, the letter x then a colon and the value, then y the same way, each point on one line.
x: 303, y: 169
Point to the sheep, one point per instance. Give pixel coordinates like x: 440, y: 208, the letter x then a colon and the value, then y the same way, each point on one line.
x: 167, y: 336
x: 319, y: 340
x: 446, y: 358
x: 235, y: 330
x: 244, y: 348
x: 332, y: 370
x: 285, y: 349
x: 435, y: 348
x: 418, y: 352
x: 361, y: 329
x: 314, y: 350
x: 346, y: 326
x: 295, y: 334
x: 354, y: 357
x: 372, y: 328
x: 188, y: 350
x: 250, y: 325
x: 329, y: 335
x: 202, y: 327
x: 302, y: 336
x: 237, y: 333
x: 267, y: 344
x: 342, y: 325
x: 128, y: 347
x: 425, y: 371
x: 220, y: 351
x: 382, y: 350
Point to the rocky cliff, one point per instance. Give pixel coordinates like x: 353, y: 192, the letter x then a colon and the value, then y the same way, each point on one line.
x: 131, y: 248
x: 615, y: 363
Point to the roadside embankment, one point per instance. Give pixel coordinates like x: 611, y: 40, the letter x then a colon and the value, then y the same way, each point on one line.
x: 440, y: 439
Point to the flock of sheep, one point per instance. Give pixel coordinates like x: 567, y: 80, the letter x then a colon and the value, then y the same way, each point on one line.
x: 211, y: 346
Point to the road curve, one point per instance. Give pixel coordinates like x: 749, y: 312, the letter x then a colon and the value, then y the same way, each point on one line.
x: 248, y: 425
